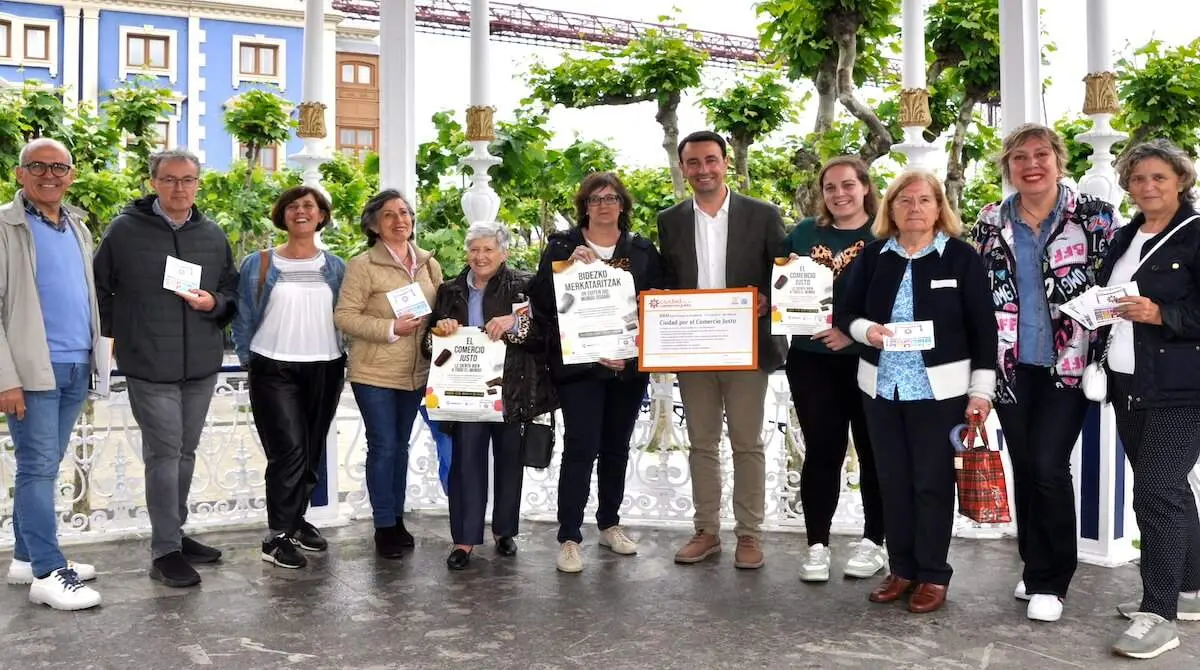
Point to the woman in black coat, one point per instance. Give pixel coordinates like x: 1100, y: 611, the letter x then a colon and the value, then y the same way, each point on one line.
x: 600, y: 401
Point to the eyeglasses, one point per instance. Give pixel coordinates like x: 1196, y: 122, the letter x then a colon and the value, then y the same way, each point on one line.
x: 39, y: 169
x: 609, y: 199
x: 172, y: 182
x: 924, y: 202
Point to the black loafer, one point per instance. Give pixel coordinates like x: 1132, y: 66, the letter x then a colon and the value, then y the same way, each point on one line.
x: 403, y: 537
x: 506, y: 546
x: 458, y: 559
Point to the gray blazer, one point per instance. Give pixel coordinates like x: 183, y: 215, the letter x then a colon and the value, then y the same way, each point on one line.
x: 756, y: 227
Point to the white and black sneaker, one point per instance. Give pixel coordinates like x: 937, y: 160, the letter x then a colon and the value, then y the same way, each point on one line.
x: 309, y: 538
x: 281, y: 550
x: 63, y: 590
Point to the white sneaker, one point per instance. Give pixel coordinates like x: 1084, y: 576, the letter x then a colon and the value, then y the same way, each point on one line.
x: 62, y: 590
x: 21, y: 572
x: 815, y: 567
x: 1019, y: 593
x: 569, y: 559
x: 868, y: 559
x: 1044, y: 607
x: 614, y: 538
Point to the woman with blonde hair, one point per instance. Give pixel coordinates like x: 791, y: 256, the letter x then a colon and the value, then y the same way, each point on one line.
x: 917, y: 270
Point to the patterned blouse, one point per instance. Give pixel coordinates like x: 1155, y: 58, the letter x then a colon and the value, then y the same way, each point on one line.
x: 902, y: 373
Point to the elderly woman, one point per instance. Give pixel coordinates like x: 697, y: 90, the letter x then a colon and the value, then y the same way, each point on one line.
x: 485, y: 295
x: 918, y: 271
x: 600, y: 401
x: 285, y: 337
x: 1153, y: 357
x: 1041, y: 247
x: 822, y: 374
x: 387, y: 370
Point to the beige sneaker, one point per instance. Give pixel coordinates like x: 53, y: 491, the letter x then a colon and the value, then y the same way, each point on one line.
x: 569, y: 559
x: 615, y: 539
x: 701, y: 546
x: 749, y: 553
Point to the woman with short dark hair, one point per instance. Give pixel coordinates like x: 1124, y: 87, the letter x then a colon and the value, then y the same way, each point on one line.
x: 285, y: 337
x: 387, y: 370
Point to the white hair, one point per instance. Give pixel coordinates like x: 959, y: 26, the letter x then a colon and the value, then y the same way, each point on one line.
x: 41, y: 142
x: 487, y: 229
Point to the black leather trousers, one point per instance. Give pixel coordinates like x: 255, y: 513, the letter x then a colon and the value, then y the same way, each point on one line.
x: 293, y: 405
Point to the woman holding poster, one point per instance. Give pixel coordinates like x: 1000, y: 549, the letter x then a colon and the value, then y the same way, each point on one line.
x: 822, y: 372
x: 600, y: 400
x: 488, y: 297
x: 917, y: 297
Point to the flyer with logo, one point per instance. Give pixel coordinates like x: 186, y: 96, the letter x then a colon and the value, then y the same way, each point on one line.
x: 909, y: 336
x: 801, y: 297
x: 713, y: 329
x: 465, y: 377
x: 597, y: 312
x: 410, y: 300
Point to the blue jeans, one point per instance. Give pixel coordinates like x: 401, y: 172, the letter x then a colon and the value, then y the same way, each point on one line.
x: 388, y: 416
x: 41, y: 440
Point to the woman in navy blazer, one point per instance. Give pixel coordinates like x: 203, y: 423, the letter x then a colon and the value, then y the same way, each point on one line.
x: 917, y: 270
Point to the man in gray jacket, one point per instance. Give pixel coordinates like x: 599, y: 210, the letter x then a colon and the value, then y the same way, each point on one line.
x: 168, y: 343
x: 50, y: 331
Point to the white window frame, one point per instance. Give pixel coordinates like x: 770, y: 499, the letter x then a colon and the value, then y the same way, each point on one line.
x: 172, y: 118
x: 280, y: 78
x: 16, y: 43
x: 172, y: 36
x: 280, y: 154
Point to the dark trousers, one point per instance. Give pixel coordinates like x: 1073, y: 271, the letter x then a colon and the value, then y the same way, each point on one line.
x: 468, y: 487
x: 1163, y: 446
x: 293, y: 406
x: 829, y: 406
x: 915, y: 462
x: 599, y: 416
x: 1040, y: 432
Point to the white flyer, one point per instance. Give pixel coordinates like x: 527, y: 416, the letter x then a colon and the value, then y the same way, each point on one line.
x: 801, y: 297
x: 466, y: 377
x: 597, y: 312
x: 181, y: 275
x: 1098, y: 305
x: 408, y: 300
x: 909, y: 336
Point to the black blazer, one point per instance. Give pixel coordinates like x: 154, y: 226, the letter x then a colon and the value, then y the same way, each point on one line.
x: 756, y: 237
x: 951, y: 290
x: 1167, y: 357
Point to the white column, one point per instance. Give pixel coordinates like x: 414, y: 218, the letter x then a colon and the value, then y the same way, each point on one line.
x: 1101, y: 104
x: 1020, y: 64
x: 312, y: 108
x: 914, y: 97
x: 90, y: 76
x: 70, y: 60
x: 196, y: 107
x: 480, y: 201
x: 330, y: 74
x: 397, y: 93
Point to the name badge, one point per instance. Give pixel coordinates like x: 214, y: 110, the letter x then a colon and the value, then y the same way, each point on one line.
x: 943, y: 283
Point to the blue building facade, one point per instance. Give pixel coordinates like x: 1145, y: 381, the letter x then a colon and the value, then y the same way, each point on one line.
x: 206, y: 53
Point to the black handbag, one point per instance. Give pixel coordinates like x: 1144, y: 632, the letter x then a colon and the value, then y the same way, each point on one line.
x: 537, y: 443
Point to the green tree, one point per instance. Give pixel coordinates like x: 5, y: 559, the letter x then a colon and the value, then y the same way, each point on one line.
x: 258, y: 118
x: 1159, y: 87
x: 657, y: 67
x: 748, y: 111
x: 1070, y: 127
x: 42, y: 110
x: 135, y: 109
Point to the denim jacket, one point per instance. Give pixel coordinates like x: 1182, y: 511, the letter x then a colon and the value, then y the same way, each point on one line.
x: 251, y: 306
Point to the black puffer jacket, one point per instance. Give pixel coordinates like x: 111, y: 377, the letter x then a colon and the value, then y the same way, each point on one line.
x: 158, y: 338
x: 1167, y: 357
x: 527, y: 390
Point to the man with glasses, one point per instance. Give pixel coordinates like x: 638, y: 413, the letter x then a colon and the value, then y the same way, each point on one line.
x: 168, y: 342
x: 49, y: 330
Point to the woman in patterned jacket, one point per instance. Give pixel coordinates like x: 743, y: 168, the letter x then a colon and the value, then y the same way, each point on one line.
x: 1042, y: 247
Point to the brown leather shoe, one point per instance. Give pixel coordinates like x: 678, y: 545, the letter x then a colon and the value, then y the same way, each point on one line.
x: 890, y: 589
x: 749, y: 553
x: 701, y: 546
x: 927, y: 598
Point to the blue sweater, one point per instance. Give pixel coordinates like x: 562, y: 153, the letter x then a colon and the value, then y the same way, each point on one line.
x: 63, y: 292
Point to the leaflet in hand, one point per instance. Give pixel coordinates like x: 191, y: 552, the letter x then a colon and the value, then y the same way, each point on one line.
x: 597, y: 312
x: 1098, y: 305
x: 181, y: 276
x: 466, y: 377
x: 909, y: 336
x: 801, y: 297
x: 409, y: 300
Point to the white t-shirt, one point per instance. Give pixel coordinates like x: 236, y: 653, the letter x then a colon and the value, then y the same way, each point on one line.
x: 1120, y: 352
x: 605, y: 253
x: 297, y: 322
x: 712, y: 238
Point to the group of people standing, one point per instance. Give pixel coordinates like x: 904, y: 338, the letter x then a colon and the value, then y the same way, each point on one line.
x: 305, y: 322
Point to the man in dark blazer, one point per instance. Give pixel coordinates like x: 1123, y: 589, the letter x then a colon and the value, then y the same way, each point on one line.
x: 720, y: 239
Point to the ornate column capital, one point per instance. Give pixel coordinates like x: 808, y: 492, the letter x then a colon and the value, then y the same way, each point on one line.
x: 914, y: 108
x: 312, y: 120
x: 480, y: 123
x: 1101, y: 94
